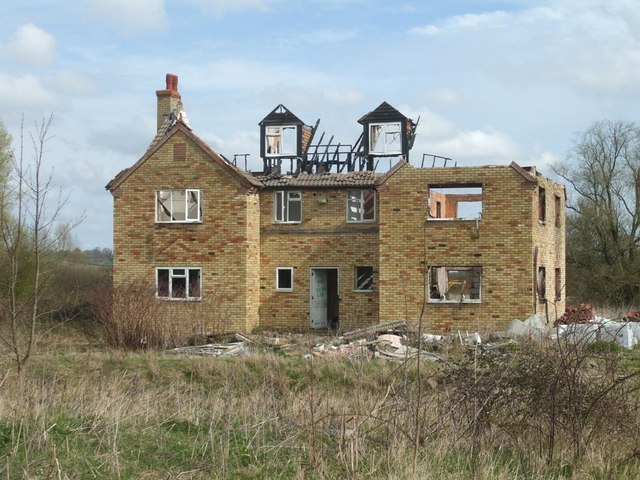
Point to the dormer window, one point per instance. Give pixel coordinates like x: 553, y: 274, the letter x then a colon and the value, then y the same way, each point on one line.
x: 385, y: 138
x: 281, y: 141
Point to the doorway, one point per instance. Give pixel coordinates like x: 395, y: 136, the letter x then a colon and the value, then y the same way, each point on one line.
x: 324, y: 300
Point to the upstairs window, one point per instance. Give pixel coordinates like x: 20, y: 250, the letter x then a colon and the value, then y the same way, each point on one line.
x: 558, y: 212
x: 542, y: 205
x: 178, y: 206
x: 455, y: 284
x: 454, y: 202
x: 385, y: 138
x: 361, y: 205
x: 178, y: 283
x: 287, y: 207
x: 281, y: 141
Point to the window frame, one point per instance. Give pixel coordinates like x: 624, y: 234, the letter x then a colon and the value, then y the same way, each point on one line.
x: 542, y: 205
x: 361, y: 205
x: 356, y: 276
x: 173, y: 273
x: 187, y: 192
x: 279, y: 207
x: 383, y: 134
x: 462, y: 193
x: 278, y: 287
x: 558, y: 210
x: 440, y: 300
x: 280, y: 134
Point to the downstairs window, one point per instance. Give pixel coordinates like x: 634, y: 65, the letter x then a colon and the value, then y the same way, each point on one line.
x: 178, y: 283
x: 455, y: 284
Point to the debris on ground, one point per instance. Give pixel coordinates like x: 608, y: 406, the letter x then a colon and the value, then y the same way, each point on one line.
x: 211, y: 350
x: 532, y: 327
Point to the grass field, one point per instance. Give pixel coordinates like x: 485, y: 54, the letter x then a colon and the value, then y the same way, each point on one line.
x: 81, y: 410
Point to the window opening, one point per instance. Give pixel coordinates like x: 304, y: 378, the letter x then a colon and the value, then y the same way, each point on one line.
x: 542, y: 283
x: 174, y: 206
x: 558, y: 284
x: 284, y: 279
x: 361, y: 205
x: 385, y: 138
x: 288, y: 207
x: 461, y: 202
x: 364, y: 279
x: 454, y: 284
x: 558, y: 204
x: 542, y: 205
x: 281, y: 141
x: 178, y: 283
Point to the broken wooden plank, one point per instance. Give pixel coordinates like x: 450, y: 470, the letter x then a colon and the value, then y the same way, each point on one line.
x: 374, y: 329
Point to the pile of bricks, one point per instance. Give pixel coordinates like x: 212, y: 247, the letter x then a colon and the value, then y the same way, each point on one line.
x: 633, y: 316
x: 581, y: 314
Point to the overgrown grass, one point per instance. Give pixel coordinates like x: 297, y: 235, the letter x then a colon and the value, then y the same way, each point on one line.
x: 95, y: 413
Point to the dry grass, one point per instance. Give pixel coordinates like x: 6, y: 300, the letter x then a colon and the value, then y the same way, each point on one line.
x: 95, y: 413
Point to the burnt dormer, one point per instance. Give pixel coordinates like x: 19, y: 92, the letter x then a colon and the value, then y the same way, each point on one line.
x: 283, y: 136
x: 387, y: 132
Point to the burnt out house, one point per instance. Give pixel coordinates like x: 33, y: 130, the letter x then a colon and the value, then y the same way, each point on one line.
x: 323, y: 238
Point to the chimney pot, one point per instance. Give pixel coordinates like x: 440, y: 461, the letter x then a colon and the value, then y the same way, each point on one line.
x: 172, y: 82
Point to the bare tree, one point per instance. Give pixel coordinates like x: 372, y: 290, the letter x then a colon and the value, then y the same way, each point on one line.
x: 603, y: 172
x: 30, y: 231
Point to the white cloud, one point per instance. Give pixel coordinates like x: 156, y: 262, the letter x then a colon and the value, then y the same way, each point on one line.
x: 132, y: 15
x: 342, y: 97
x: 30, y: 45
x: 25, y: 92
x: 324, y: 36
x: 484, y: 146
x: 74, y: 84
x: 221, y: 7
x: 463, y: 22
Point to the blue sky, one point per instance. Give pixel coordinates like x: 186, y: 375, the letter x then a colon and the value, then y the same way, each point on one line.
x: 492, y: 81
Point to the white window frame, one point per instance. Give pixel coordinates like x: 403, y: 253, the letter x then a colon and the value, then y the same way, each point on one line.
x: 449, y: 268
x: 187, y: 193
x: 281, y: 207
x: 284, y: 289
x: 355, y: 279
x: 382, y: 138
x: 360, y: 211
x: 277, y: 131
x: 175, y: 273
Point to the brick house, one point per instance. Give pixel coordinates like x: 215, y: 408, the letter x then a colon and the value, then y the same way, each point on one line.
x: 333, y: 243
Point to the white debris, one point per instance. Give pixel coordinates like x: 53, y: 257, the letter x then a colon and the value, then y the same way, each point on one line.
x: 430, y: 337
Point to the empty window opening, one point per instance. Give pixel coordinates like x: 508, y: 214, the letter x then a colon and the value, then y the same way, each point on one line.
x: 281, y: 141
x: 558, y: 209
x: 178, y: 206
x: 361, y: 205
x: 284, y: 279
x: 558, y: 284
x: 385, y: 138
x: 462, y: 202
x: 542, y: 205
x: 454, y: 284
x: 287, y: 207
x: 363, y: 279
x: 542, y: 283
x: 178, y: 283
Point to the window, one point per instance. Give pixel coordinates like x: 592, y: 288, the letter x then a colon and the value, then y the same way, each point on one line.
x: 287, y: 207
x: 281, y: 141
x: 361, y: 205
x: 363, y: 279
x: 558, y: 204
x: 542, y: 283
x: 454, y: 284
x: 558, y: 284
x: 385, y: 138
x: 284, y: 279
x: 175, y: 206
x: 178, y: 283
x: 449, y: 202
x: 542, y: 205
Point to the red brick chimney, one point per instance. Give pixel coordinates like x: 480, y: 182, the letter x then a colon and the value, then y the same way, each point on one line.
x: 168, y: 99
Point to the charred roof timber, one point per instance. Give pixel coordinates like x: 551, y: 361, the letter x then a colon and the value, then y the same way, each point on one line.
x: 284, y: 137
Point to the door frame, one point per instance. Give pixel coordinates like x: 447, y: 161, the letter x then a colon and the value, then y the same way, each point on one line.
x: 311, y: 269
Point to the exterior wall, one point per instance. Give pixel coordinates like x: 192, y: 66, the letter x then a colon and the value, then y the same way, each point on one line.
x: 224, y: 244
x: 322, y: 239
x: 549, y: 240
x: 500, y: 243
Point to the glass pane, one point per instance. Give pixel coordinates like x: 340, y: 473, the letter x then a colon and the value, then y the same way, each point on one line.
x: 278, y: 206
x: 163, y: 205
x: 163, y: 282
x: 393, y: 138
x: 178, y: 205
x: 193, y: 203
x: 353, y: 205
x: 284, y: 278
x: 179, y: 287
x: 295, y: 211
x: 369, y: 204
x: 364, y: 278
x: 374, y: 138
x: 194, y: 283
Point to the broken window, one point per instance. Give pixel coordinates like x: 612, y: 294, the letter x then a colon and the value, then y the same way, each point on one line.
x: 281, y: 141
x: 542, y: 205
x: 287, y: 207
x: 178, y: 283
x: 361, y: 205
x: 385, y: 138
x: 454, y: 284
x: 363, y: 279
x: 558, y: 284
x: 558, y: 204
x: 542, y: 283
x: 284, y: 279
x: 178, y: 206
x: 461, y: 202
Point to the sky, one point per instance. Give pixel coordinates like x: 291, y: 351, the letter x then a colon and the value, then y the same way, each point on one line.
x: 491, y: 81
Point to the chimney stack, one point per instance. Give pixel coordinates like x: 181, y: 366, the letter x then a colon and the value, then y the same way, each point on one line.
x: 168, y: 99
